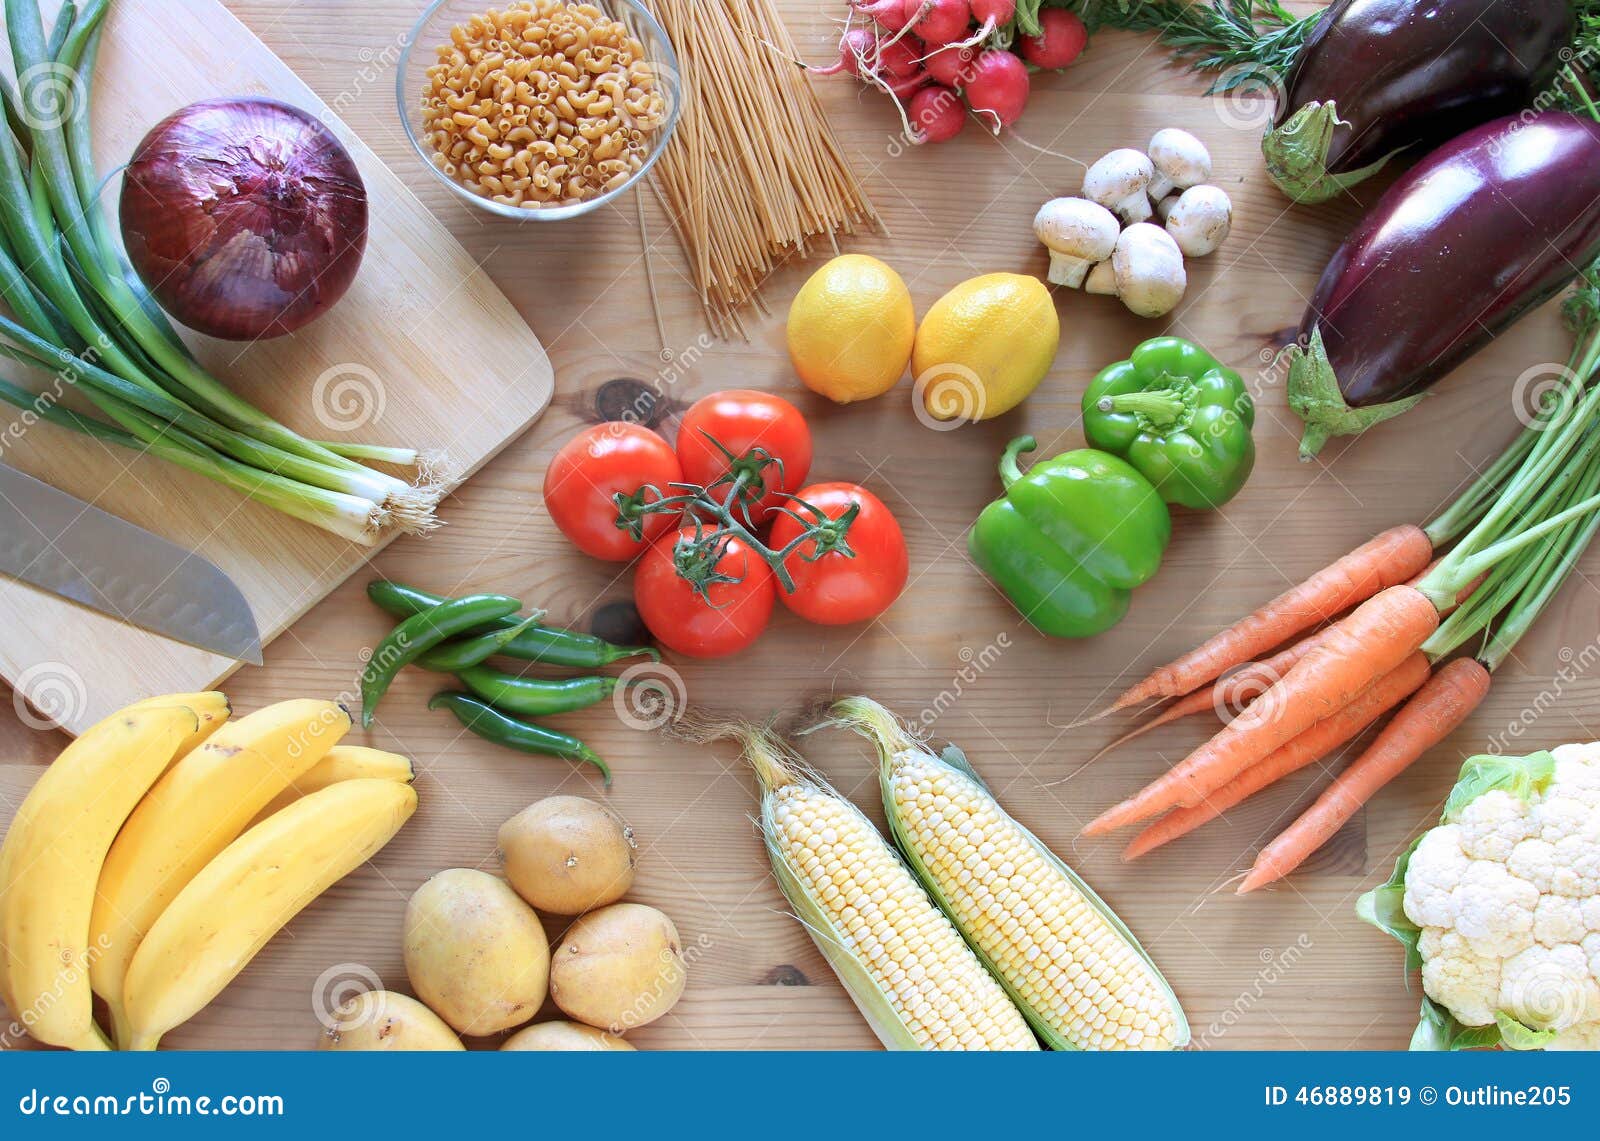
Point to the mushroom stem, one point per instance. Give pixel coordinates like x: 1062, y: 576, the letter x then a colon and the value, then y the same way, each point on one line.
x: 1068, y: 270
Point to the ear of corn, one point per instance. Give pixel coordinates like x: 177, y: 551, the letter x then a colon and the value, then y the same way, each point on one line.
x: 1075, y: 970
x: 906, y: 967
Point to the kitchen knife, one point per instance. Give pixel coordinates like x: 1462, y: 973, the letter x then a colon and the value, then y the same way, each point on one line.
x: 71, y: 548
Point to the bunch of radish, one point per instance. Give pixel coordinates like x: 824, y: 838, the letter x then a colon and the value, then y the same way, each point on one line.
x: 941, y: 59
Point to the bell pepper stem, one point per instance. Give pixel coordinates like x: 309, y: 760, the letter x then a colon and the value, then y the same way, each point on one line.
x: 1009, y: 471
x: 1161, y: 408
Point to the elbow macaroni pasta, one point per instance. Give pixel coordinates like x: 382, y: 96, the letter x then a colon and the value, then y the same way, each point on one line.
x: 542, y: 103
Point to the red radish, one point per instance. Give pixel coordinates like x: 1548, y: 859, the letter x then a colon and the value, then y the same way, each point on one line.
x: 936, y: 115
x: 857, y: 47
x: 893, y: 15
x: 1061, y: 41
x: 861, y: 55
x: 951, y: 66
x: 940, y: 22
x: 997, y: 90
x: 904, y: 85
x: 899, y: 60
x: 991, y: 14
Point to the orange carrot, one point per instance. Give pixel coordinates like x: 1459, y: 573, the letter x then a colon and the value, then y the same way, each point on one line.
x: 1380, y: 634
x: 1438, y: 709
x: 1234, y: 692
x: 1324, y: 737
x: 1388, y: 560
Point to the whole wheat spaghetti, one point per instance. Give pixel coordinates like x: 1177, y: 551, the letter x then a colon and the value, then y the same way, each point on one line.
x: 754, y: 173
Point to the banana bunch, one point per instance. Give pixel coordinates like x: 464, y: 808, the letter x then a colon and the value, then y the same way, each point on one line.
x: 166, y: 845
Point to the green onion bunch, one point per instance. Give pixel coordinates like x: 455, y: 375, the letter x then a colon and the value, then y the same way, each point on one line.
x: 78, y: 310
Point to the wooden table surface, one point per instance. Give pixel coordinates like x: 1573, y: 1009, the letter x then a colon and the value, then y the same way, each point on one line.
x: 1289, y: 968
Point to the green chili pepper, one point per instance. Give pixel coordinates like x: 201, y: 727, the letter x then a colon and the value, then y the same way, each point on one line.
x: 1180, y: 417
x: 463, y: 653
x: 492, y: 725
x: 420, y: 633
x: 536, y: 696
x: 549, y: 644
x: 1070, y: 540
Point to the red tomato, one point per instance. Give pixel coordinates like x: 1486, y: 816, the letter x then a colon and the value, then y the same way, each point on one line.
x: 836, y: 589
x: 594, y: 466
x: 682, y: 620
x: 741, y: 419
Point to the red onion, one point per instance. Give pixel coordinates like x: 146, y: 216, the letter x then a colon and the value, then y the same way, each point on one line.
x: 246, y: 217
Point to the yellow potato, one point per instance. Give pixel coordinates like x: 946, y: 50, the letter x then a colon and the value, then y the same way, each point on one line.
x: 475, y: 952
x: 567, y: 855
x: 563, y: 1036
x: 618, y: 968
x: 384, y: 1020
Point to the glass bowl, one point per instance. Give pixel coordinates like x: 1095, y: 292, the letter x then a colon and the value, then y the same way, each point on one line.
x: 433, y: 30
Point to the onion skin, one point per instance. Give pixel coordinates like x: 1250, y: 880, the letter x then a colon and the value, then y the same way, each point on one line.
x: 246, y: 217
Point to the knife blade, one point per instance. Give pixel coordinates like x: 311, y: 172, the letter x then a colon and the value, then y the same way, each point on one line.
x: 70, y: 548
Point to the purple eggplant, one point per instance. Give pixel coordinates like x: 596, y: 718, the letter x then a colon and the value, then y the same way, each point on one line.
x: 1378, y: 76
x: 1480, y: 231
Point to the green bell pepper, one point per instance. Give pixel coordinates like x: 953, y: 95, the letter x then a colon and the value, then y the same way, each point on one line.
x: 1180, y: 417
x: 1069, y: 540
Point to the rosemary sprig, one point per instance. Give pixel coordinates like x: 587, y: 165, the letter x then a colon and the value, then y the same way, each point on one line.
x: 1247, y: 40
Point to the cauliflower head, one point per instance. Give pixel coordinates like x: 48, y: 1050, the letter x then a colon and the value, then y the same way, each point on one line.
x: 1500, y: 905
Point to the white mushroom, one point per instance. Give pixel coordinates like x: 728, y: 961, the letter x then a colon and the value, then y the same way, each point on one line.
x: 1180, y: 161
x: 1118, y: 183
x: 1078, y: 233
x: 1102, y: 279
x: 1200, y: 220
x: 1149, y: 270
x: 1164, y: 207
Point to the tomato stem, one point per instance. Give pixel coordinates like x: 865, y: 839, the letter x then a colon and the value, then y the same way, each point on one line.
x: 726, y: 502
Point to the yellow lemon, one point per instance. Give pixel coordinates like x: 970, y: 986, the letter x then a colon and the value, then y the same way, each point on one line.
x: 985, y: 346
x: 850, y: 329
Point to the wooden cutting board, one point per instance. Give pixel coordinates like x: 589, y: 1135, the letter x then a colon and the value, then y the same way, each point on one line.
x: 424, y: 351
